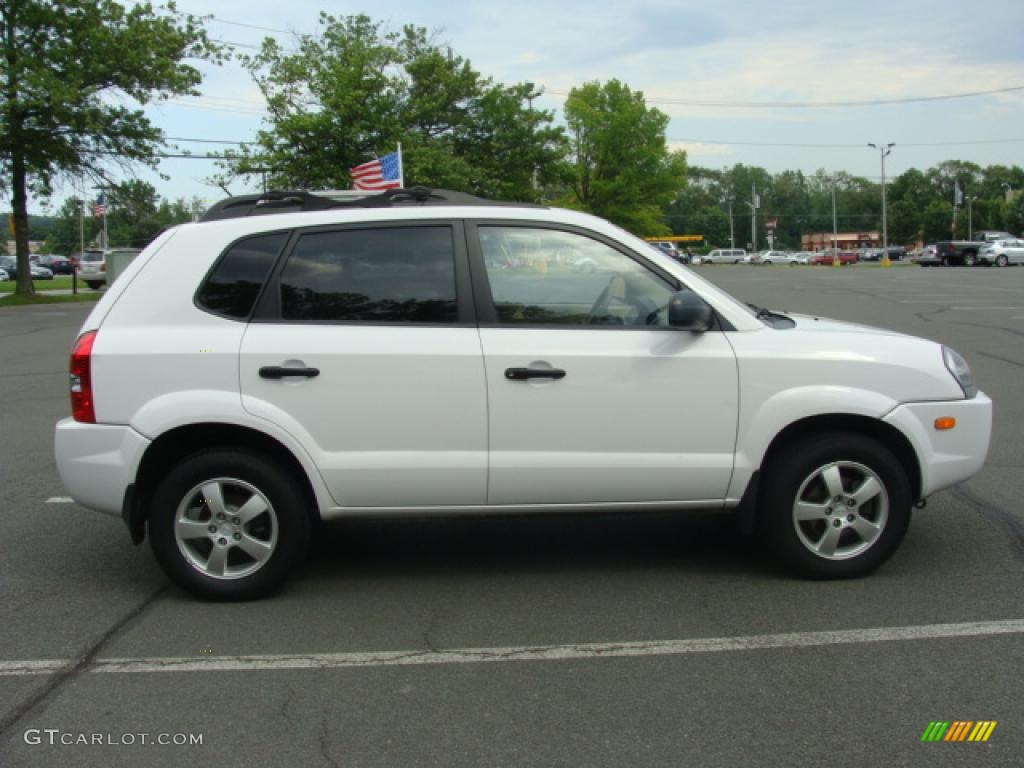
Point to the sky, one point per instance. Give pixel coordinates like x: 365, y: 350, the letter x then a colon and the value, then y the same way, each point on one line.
x: 678, y: 52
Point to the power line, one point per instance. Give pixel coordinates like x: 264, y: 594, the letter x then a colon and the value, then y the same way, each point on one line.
x: 209, y: 141
x: 812, y: 104
x: 843, y: 146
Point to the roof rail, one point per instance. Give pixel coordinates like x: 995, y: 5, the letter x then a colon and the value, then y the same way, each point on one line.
x: 301, y: 201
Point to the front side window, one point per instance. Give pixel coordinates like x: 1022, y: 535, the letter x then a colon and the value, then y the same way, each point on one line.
x: 548, y: 277
x: 381, y: 275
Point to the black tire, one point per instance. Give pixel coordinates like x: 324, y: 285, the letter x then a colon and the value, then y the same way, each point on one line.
x: 947, y: 261
x: 93, y: 284
x: 1001, y: 260
x: 787, y: 472
x: 288, y: 500
x: 970, y: 259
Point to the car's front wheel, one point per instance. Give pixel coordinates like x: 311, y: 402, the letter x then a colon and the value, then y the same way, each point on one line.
x: 835, y: 505
x: 1001, y: 260
x: 229, y: 524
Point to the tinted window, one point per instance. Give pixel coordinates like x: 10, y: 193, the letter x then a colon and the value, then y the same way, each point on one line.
x: 394, y: 275
x: 232, y: 287
x: 540, y: 276
x: 92, y: 256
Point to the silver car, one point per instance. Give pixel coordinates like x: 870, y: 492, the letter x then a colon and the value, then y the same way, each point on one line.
x: 774, y: 257
x: 727, y: 256
x: 1002, y: 253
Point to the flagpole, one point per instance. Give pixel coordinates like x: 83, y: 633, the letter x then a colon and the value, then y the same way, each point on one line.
x: 401, y: 168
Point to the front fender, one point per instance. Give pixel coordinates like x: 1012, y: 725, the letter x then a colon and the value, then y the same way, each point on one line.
x: 760, y: 426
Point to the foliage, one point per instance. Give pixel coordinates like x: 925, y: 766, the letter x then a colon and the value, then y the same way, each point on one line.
x: 135, y: 215
x: 68, y: 75
x: 357, y: 90
x: 620, y: 165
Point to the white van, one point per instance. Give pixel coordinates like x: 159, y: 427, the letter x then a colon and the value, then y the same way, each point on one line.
x: 726, y: 256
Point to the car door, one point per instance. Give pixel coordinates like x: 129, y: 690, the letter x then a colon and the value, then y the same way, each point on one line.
x: 1015, y: 251
x: 389, y: 397
x: 592, y: 397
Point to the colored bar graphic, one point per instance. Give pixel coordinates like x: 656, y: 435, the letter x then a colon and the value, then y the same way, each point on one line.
x: 959, y: 730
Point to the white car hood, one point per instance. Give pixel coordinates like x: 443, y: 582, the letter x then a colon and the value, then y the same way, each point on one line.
x: 815, y: 323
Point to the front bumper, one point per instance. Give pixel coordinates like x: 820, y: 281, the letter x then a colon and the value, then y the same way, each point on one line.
x: 951, y: 456
x: 97, y: 462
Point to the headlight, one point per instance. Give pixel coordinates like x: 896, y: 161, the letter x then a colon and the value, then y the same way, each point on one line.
x: 961, y: 371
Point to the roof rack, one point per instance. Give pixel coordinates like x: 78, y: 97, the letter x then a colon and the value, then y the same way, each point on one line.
x: 302, y: 201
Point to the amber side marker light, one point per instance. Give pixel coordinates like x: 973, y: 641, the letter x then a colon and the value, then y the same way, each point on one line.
x: 945, y: 422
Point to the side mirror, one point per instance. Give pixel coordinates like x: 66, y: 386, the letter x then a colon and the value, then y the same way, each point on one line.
x: 689, y: 312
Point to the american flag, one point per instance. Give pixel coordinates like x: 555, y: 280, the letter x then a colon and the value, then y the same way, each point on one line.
x: 99, y: 208
x: 378, y: 175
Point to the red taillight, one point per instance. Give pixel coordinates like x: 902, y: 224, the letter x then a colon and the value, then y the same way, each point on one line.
x: 81, y: 379
x: 103, y: 267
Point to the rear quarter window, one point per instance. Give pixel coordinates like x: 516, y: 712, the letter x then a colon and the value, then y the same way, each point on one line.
x: 233, y: 285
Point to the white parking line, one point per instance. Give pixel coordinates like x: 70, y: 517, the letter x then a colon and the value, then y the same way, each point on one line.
x: 999, y: 309
x: 60, y: 500
x: 520, y: 653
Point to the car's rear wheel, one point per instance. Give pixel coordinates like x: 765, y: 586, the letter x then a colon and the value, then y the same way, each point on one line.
x: 229, y: 524
x: 836, y: 505
x: 970, y: 259
x: 1001, y: 260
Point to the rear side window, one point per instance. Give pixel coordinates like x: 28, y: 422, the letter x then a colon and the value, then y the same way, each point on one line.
x: 380, y: 275
x: 232, y: 287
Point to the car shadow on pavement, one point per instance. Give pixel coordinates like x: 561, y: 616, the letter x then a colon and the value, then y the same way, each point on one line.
x: 701, y: 543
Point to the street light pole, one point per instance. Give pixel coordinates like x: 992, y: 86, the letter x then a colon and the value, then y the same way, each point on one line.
x: 970, y: 219
x: 883, y: 151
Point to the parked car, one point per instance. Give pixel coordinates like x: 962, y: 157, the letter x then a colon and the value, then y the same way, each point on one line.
x: 56, y: 264
x: 93, y: 266
x: 726, y: 256
x: 896, y: 253
x: 829, y: 256
x: 1002, y: 253
x: 4, y: 275
x: 951, y: 253
x: 801, y: 257
x: 10, y: 265
x: 255, y: 373
x: 774, y: 257
x: 669, y: 249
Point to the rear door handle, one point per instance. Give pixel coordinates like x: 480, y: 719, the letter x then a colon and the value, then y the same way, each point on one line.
x: 279, y: 372
x: 521, y: 374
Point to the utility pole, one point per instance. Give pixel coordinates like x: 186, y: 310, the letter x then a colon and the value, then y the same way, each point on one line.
x: 732, y: 235
x: 530, y: 96
x: 754, y: 204
x: 883, y: 151
x: 835, y: 223
x: 970, y: 219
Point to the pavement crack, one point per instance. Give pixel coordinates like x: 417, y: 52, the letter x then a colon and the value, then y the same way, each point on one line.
x: 38, y: 703
x: 1001, y: 359
x: 1002, y: 519
x: 324, y: 753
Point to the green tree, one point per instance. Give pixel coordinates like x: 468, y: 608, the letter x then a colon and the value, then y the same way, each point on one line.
x: 65, y: 73
x: 621, y: 167
x: 135, y: 215
x: 355, y: 90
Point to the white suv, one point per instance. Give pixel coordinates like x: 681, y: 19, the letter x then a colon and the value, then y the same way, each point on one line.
x: 431, y: 353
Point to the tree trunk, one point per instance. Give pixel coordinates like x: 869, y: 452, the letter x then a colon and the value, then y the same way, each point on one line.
x: 19, y: 205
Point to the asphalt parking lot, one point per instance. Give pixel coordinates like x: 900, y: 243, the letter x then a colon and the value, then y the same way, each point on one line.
x: 614, y: 640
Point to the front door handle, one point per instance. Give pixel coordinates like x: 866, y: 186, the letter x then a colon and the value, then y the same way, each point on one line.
x: 279, y: 372
x: 521, y: 374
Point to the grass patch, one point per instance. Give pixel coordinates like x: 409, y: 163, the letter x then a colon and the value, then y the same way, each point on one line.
x: 70, y: 298
x: 58, y: 283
